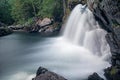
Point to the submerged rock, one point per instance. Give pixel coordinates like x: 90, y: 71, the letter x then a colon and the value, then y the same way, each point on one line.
x: 44, y: 74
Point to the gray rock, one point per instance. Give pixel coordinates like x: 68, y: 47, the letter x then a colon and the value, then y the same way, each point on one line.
x: 16, y: 27
x: 44, y: 22
x: 5, y: 31
x: 112, y: 73
x: 95, y: 76
x: 107, y: 13
x: 2, y: 24
x: 109, y: 7
x: 44, y: 74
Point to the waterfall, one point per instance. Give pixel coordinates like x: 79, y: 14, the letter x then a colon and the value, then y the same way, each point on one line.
x: 83, y: 30
x: 78, y: 53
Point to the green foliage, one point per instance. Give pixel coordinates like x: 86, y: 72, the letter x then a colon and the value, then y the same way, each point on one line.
x: 5, y: 13
x: 51, y: 9
x: 24, y: 10
x: 58, y: 11
x: 47, y: 7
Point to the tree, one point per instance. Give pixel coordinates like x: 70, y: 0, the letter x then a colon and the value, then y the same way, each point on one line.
x: 22, y: 10
x: 5, y: 12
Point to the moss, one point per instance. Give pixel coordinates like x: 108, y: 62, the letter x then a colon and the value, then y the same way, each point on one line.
x: 113, y: 71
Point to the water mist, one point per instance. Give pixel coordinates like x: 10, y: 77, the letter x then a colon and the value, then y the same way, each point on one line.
x: 78, y: 53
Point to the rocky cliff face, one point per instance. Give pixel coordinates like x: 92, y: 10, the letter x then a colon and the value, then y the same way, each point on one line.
x: 107, y: 13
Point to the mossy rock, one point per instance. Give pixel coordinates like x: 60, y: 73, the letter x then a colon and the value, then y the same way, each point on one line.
x: 113, y: 71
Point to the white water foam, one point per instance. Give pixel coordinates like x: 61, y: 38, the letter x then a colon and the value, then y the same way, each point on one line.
x: 81, y: 51
x: 82, y: 29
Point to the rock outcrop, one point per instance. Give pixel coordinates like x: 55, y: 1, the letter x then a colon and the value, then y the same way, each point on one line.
x: 44, y: 26
x: 16, y: 27
x: 5, y: 31
x: 2, y: 24
x: 107, y: 13
x: 44, y: 74
x: 113, y: 72
x: 95, y: 76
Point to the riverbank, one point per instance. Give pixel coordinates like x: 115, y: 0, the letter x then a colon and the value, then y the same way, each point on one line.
x: 46, y: 26
x: 5, y: 31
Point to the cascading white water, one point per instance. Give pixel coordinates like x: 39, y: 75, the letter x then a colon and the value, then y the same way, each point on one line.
x: 77, y: 54
x: 82, y: 29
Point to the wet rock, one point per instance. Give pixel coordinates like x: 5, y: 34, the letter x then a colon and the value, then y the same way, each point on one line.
x: 16, y: 27
x: 108, y: 7
x: 5, y: 31
x: 2, y: 24
x: 50, y: 29
x: 41, y: 70
x: 73, y: 3
x: 42, y: 26
x: 117, y: 33
x: 95, y: 76
x: 107, y: 14
x: 44, y: 74
x: 112, y: 73
x: 114, y: 42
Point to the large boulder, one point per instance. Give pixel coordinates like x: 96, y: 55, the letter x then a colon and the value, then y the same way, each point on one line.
x: 44, y: 22
x: 50, y: 30
x: 44, y: 74
x: 40, y: 25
